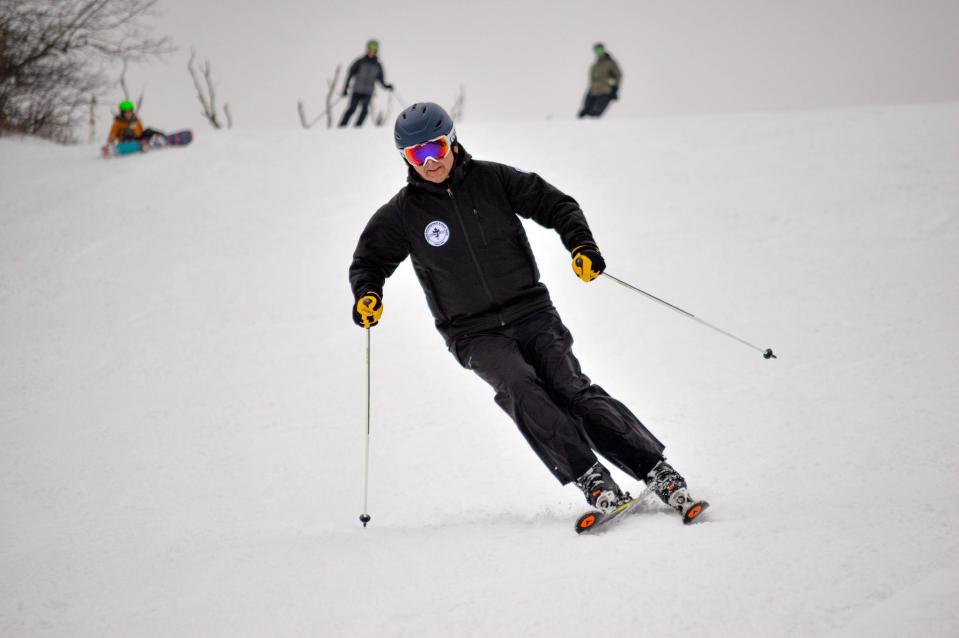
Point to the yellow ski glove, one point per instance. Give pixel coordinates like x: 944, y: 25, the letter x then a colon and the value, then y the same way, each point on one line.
x: 367, y: 310
x: 588, y: 264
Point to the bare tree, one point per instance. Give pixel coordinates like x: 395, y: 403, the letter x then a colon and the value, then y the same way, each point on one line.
x: 457, y: 111
x: 92, y: 122
x: 206, y: 93
x: 305, y: 121
x: 380, y: 117
x: 53, y: 57
x: 330, y: 92
x: 126, y: 91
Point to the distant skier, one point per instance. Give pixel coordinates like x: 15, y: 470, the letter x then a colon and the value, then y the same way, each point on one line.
x: 365, y: 73
x: 604, y: 79
x: 457, y: 220
x: 127, y: 127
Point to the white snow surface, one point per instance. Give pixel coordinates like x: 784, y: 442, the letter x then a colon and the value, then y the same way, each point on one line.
x: 182, y: 392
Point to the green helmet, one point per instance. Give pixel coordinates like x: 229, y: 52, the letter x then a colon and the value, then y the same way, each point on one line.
x: 126, y: 105
x: 372, y: 45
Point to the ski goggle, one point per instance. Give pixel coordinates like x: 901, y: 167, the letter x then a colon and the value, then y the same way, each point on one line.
x: 435, y: 149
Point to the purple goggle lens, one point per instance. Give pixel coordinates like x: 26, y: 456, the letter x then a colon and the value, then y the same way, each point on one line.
x: 436, y: 149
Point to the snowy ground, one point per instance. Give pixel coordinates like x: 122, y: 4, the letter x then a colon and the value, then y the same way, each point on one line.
x: 182, y: 390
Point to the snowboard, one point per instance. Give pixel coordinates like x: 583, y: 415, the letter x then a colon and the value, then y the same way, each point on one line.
x: 180, y: 138
x: 595, y: 521
x: 130, y: 147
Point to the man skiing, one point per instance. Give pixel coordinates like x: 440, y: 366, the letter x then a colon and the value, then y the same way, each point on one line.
x: 457, y: 220
x: 365, y: 73
x: 604, y: 79
x: 127, y: 127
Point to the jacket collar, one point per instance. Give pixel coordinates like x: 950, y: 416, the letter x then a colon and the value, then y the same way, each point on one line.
x: 461, y: 168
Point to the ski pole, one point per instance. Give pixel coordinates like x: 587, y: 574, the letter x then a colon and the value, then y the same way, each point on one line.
x: 767, y: 353
x: 365, y: 517
x: 398, y: 99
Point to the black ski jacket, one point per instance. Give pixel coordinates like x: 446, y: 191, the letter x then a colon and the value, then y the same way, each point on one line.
x: 365, y: 73
x: 468, y: 247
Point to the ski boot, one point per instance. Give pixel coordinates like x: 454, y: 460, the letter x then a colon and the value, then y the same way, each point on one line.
x: 600, y: 489
x: 670, y: 487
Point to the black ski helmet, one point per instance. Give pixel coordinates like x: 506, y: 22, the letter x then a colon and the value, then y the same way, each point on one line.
x: 421, y: 123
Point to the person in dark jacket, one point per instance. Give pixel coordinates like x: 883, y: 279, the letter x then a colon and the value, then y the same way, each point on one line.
x: 365, y: 73
x: 457, y: 219
x: 604, y: 79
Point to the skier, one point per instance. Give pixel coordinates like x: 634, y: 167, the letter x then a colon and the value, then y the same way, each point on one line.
x: 127, y: 127
x: 457, y: 220
x: 604, y: 79
x: 367, y: 71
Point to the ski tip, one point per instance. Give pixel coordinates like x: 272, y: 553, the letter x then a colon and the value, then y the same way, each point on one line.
x: 586, y: 522
x: 692, y: 515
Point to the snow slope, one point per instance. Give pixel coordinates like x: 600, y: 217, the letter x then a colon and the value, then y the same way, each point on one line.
x: 182, y: 390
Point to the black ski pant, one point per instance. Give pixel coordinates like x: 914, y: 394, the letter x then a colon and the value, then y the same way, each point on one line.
x: 357, y: 99
x: 562, y: 414
x: 595, y: 105
x: 147, y: 134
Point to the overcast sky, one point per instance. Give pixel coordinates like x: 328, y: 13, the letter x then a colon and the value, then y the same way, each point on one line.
x: 529, y: 60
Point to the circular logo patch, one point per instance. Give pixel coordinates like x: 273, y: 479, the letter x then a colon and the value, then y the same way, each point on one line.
x: 437, y: 233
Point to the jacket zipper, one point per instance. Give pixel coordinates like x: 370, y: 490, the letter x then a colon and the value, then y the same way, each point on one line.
x: 469, y: 246
x: 480, y: 224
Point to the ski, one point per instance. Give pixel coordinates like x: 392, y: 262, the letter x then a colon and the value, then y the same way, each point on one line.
x: 695, y: 510
x: 595, y: 521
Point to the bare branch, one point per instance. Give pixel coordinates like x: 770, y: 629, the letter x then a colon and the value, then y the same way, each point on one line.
x: 305, y: 122
x: 331, y: 89
x: 211, y: 94
x: 302, y: 111
x: 380, y: 117
x: 55, y: 54
x: 126, y: 90
x: 457, y: 111
x: 206, y: 95
x: 123, y: 81
x: 92, y: 136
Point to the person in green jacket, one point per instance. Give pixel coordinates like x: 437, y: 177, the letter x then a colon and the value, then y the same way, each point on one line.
x: 604, y: 79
